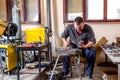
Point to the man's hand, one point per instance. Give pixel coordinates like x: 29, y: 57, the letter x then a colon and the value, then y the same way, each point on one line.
x: 87, y: 45
x: 83, y: 46
x: 66, y: 43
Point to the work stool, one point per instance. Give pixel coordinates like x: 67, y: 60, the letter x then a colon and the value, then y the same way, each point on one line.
x: 67, y: 52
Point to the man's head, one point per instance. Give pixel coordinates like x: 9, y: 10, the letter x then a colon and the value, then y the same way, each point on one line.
x: 78, y: 23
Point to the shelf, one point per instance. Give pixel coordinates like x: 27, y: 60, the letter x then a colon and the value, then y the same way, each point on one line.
x: 31, y: 71
x: 34, y: 70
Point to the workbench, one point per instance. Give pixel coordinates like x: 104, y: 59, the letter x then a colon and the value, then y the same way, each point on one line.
x: 113, y: 53
x: 32, y: 47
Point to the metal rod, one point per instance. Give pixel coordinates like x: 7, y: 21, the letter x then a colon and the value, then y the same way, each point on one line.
x: 49, y: 14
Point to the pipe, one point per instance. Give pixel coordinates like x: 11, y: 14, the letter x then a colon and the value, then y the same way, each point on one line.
x: 48, y: 2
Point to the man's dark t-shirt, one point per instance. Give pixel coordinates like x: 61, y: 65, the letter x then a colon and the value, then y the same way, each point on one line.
x: 86, y: 35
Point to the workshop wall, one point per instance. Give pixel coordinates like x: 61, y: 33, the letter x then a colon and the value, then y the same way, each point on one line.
x: 109, y: 30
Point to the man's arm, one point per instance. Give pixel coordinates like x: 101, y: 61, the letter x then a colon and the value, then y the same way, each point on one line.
x: 65, y: 42
x: 89, y: 44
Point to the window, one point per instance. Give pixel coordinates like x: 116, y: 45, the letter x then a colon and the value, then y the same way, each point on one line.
x: 30, y: 10
x: 92, y: 10
x: 113, y: 11
x: 72, y: 8
x: 3, y: 12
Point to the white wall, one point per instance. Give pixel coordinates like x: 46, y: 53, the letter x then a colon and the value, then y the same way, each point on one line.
x: 109, y: 30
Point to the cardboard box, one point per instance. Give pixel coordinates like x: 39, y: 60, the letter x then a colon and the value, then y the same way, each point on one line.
x: 118, y: 39
x: 102, y: 41
x: 109, y: 75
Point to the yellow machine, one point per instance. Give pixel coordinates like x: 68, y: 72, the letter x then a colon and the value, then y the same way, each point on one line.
x: 35, y: 35
x: 3, y: 27
x: 9, y: 55
x: 7, y: 50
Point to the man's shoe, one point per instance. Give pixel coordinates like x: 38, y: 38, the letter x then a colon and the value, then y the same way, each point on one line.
x: 89, y: 77
x: 65, y: 73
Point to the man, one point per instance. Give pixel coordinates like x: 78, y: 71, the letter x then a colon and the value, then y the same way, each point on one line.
x: 81, y: 36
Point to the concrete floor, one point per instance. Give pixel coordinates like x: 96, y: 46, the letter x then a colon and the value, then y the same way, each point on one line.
x: 96, y: 75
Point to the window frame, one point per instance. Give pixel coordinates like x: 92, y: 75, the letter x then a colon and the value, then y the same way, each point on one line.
x: 84, y: 4
x: 23, y: 12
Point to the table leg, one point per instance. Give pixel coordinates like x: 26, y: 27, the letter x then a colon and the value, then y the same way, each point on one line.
x: 50, y: 54
x: 118, y: 71
x: 39, y: 60
x: 17, y: 54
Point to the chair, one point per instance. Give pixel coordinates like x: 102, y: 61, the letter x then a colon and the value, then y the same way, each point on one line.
x: 102, y: 41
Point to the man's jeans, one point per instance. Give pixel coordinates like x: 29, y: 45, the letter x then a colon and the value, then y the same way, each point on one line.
x: 66, y: 61
x: 90, y: 54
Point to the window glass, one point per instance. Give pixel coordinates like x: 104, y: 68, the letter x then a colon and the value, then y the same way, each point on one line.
x: 74, y: 8
x: 3, y: 12
x: 94, y: 9
x: 113, y: 9
x: 31, y: 10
